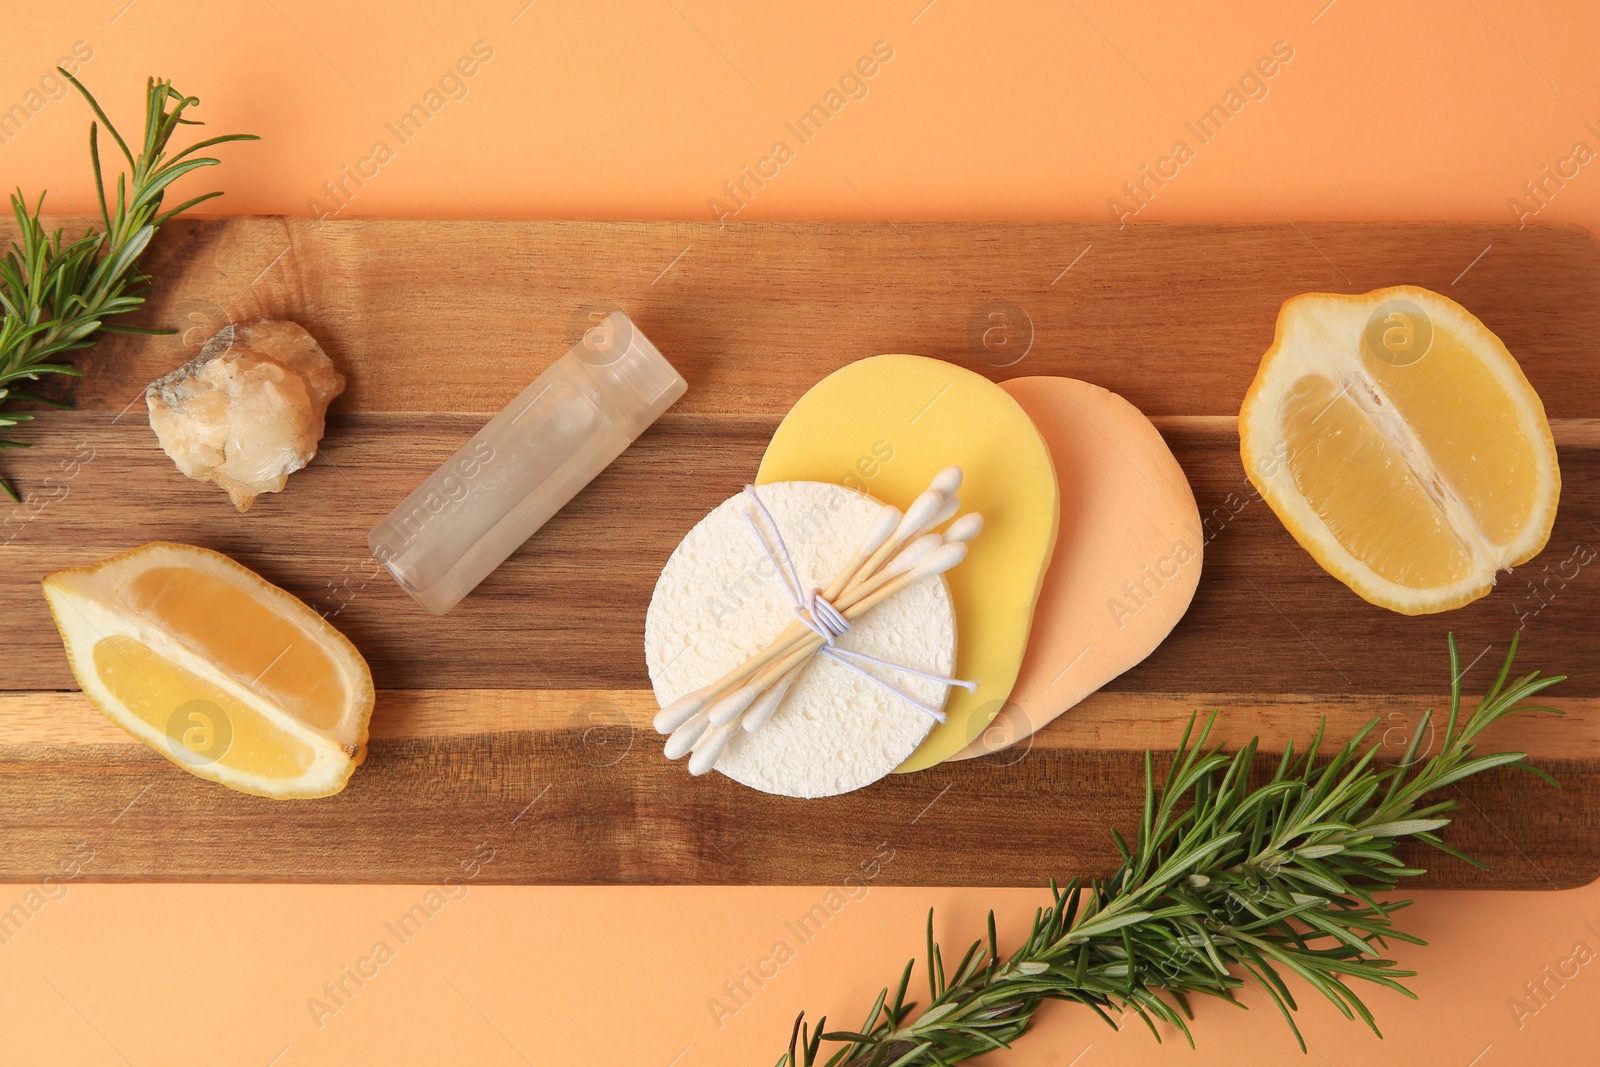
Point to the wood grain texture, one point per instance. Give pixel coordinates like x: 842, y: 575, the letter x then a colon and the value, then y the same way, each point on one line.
x: 617, y: 720
x: 521, y: 716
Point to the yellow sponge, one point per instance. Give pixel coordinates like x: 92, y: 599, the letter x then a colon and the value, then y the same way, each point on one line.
x: 886, y: 426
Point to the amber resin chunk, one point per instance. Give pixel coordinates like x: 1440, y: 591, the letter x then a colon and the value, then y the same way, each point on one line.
x: 248, y: 410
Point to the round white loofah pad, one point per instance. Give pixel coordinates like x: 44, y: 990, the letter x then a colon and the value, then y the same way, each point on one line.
x: 719, y: 601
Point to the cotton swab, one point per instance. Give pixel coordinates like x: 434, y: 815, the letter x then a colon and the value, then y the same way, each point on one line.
x: 900, y: 548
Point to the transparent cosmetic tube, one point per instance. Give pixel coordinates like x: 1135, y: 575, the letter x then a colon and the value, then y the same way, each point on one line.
x: 526, y: 463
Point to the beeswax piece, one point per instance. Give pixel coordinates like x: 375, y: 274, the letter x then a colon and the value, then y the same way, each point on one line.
x: 248, y: 410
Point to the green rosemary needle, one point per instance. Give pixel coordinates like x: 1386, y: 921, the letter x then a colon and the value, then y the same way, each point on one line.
x: 1224, y: 882
x: 55, y: 296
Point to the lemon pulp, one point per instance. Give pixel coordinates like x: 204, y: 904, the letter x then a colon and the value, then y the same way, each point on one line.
x: 1361, y: 487
x: 1468, y: 424
x: 257, y: 646
x: 202, y: 723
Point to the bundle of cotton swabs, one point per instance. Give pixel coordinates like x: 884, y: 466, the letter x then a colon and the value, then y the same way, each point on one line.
x: 899, y: 549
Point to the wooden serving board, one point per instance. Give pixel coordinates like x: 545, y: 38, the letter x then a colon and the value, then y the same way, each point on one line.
x: 521, y: 719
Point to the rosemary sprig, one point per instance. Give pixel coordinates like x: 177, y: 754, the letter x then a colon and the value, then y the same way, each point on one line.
x: 56, y: 297
x: 1223, y: 882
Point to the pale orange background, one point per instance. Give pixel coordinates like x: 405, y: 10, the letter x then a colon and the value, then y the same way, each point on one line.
x: 1388, y: 110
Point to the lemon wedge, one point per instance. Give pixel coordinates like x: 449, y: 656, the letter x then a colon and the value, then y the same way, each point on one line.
x: 225, y: 674
x: 1399, y: 442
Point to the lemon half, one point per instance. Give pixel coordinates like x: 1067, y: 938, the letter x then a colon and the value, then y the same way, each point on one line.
x: 1399, y: 442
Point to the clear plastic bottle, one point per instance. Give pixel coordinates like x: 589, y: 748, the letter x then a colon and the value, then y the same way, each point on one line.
x: 526, y: 463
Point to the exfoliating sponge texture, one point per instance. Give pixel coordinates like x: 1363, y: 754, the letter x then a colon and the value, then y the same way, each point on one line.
x: 886, y: 425
x: 719, y: 601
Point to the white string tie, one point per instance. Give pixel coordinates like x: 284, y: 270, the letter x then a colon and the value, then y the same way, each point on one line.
x: 827, y: 621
